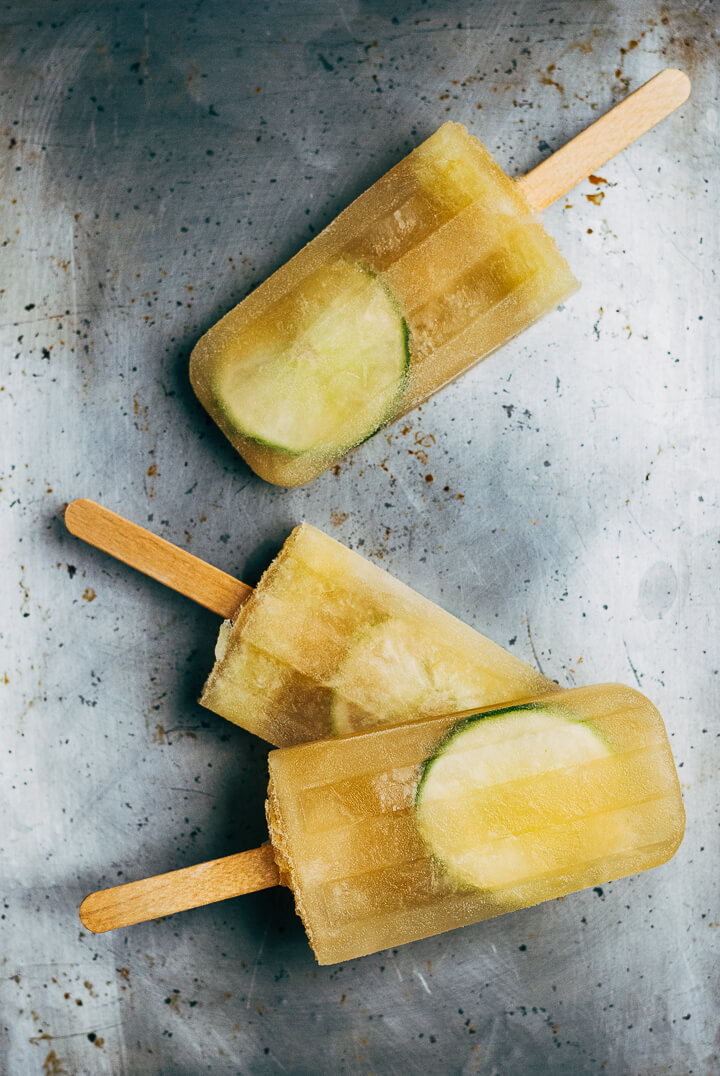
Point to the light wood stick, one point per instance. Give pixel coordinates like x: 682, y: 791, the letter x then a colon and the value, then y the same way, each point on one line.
x: 614, y: 131
x: 161, y: 560
x: 178, y: 891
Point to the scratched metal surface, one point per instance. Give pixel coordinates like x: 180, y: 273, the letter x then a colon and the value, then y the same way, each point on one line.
x: 159, y: 160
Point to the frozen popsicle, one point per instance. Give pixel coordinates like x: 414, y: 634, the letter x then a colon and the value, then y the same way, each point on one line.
x: 328, y: 643
x: 435, y: 266
x: 390, y: 836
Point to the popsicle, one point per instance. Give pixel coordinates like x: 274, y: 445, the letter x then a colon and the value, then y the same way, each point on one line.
x: 435, y: 266
x: 390, y: 836
x: 327, y: 643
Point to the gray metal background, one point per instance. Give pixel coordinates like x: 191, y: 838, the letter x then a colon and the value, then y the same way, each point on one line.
x: 160, y: 159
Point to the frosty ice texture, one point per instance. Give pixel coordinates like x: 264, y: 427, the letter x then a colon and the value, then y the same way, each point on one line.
x: 329, y: 643
x: 467, y: 266
x: 343, y: 819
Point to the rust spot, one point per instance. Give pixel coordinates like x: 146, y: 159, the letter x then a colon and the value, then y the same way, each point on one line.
x: 583, y: 46
x: 596, y: 180
x: 338, y: 518
x: 429, y: 478
x: 152, y: 470
x: 54, y: 1066
x: 547, y: 81
x: 89, y: 594
x: 596, y: 198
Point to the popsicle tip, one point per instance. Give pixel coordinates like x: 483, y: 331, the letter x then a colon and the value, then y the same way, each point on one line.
x: 73, y: 511
x: 88, y: 914
x: 680, y: 82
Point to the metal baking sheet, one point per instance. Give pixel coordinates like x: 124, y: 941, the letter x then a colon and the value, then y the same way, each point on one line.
x: 160, y: 159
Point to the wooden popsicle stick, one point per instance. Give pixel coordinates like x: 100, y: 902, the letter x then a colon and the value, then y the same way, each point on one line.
x: 180, y: 890
x: 593, y: 147
x: 156, y: 557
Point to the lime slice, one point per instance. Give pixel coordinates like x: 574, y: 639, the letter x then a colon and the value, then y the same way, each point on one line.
x: 324, y: 371
x: 497, y: 803
x: 395, y: 671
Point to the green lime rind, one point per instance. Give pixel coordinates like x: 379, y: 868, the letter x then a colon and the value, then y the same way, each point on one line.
x: 456, y: 730
x: 432, y: 817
